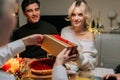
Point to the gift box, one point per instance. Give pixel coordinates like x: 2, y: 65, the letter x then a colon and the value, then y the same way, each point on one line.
x: 54, y: 44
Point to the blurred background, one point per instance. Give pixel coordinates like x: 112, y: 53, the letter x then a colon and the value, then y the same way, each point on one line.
x: 107, y: 13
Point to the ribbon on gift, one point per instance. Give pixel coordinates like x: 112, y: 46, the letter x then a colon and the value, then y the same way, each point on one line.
x: 62, y: 39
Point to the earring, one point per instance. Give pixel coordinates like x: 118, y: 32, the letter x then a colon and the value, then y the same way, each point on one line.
x: 13, y: 14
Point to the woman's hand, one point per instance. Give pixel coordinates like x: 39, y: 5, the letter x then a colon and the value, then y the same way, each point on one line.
x: 35, y: 39
x: 66, y: 55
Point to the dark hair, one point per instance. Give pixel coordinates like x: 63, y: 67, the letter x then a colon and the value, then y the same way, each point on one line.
x: 25, y: 3
x: 78, y: 2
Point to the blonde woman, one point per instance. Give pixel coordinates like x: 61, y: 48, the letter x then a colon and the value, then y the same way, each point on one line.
x: 8, y: 50
x: 78, y: 33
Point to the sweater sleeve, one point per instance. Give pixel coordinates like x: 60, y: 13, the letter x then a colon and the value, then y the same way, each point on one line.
x: 10, y: 50
x: 88, y: 55
x: 59, y: 73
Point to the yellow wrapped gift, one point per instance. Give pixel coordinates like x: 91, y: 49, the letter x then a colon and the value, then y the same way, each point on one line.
x: 54, y: 44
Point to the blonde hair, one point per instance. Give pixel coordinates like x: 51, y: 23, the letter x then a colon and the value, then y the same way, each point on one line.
x: 79, y: 3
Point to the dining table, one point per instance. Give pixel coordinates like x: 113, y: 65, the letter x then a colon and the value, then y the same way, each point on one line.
x: 81, y: 75
x: 25, y: 73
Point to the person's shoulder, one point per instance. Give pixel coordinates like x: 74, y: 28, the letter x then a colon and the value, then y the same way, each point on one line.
x: 46, y: 23
x: 90, y: 35
x: 25, y: 25
x: 19, y: 29
x: 66, y: 28
x: 22, y: 27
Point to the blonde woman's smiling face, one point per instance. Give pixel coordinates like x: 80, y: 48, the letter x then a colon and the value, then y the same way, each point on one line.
x: 77, y: 17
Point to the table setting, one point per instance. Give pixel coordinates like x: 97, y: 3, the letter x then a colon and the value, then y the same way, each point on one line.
x: 41, y: 69
x: 29, y: 69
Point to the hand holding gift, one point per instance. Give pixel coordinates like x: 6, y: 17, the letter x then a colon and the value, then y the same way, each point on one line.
x: 54, y: 44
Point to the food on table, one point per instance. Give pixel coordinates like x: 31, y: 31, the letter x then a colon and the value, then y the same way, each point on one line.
x: 12, y: 65
x: 42, y: 66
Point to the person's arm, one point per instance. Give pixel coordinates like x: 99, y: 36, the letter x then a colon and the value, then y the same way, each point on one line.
x: 59, y: 71
x: 88, y: 56
x: 10, y: 50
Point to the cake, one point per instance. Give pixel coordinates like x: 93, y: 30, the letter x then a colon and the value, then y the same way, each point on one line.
x: 42, y: 66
